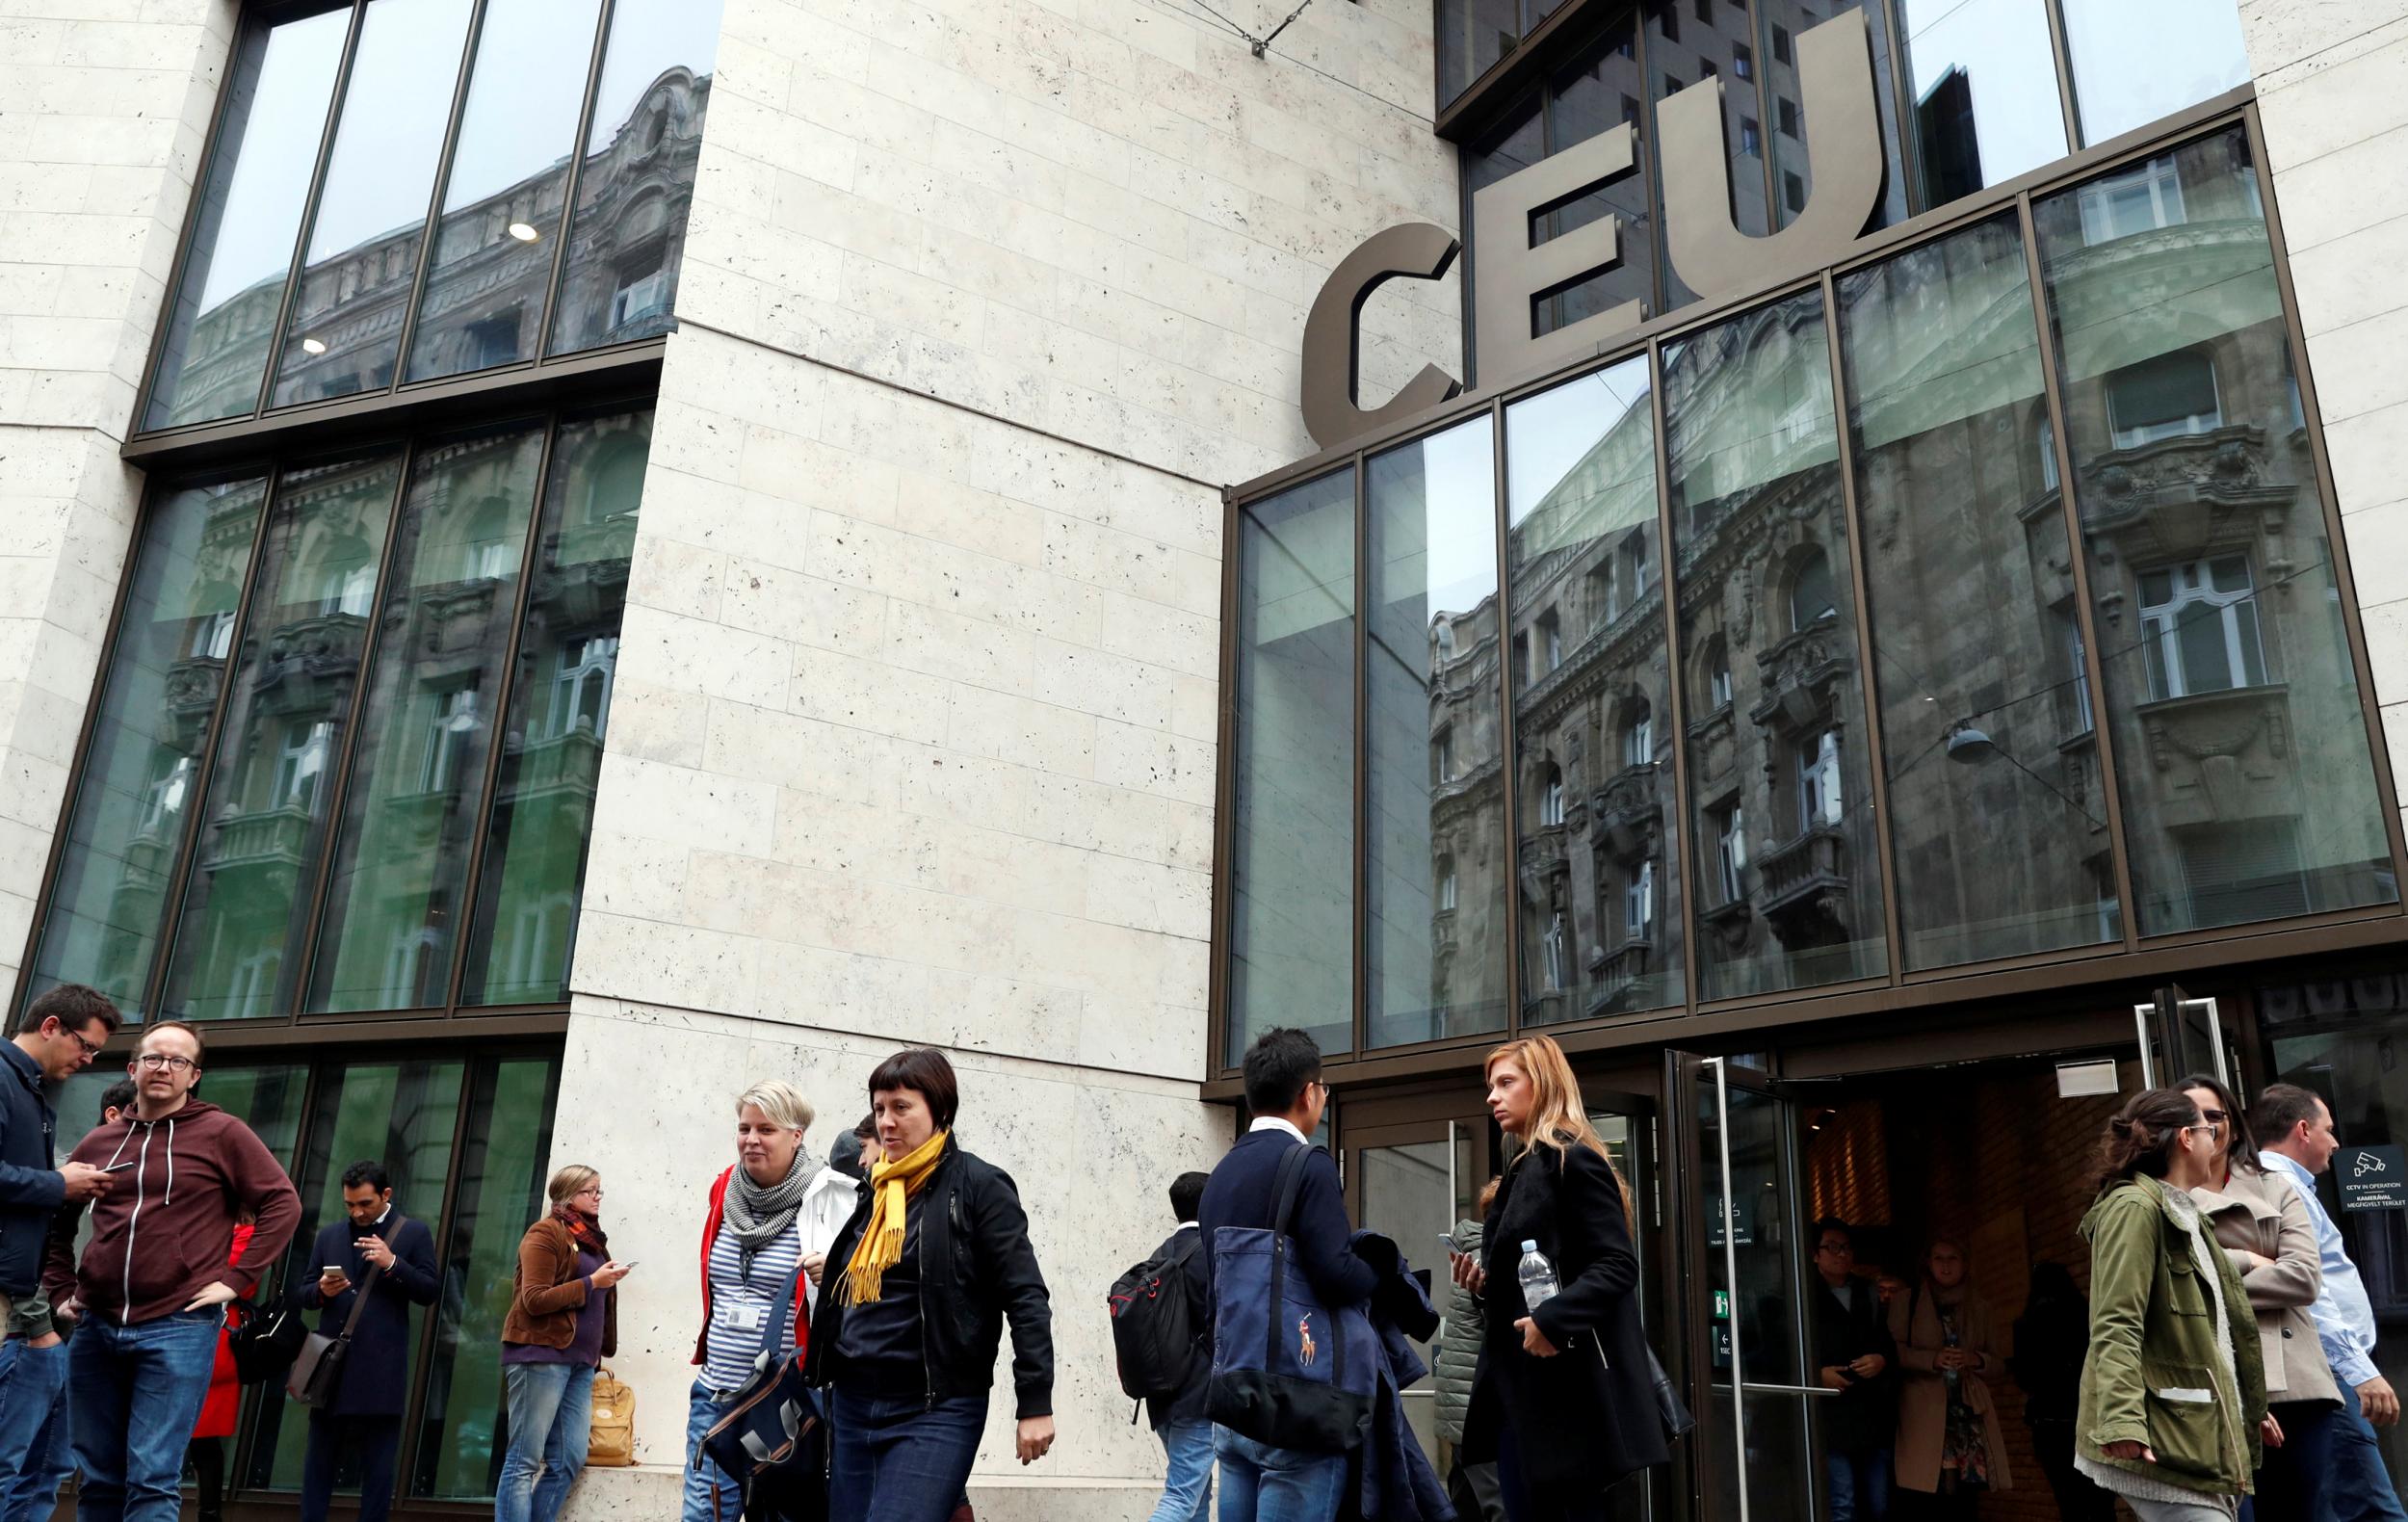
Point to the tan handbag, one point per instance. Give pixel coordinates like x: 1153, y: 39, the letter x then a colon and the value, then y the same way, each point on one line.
x: 610, y: 1443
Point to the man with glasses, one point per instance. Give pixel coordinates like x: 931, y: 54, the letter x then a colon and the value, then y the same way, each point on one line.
x: 1853, y: 1356
x: 63, y: 1031
x: 155, y: 1282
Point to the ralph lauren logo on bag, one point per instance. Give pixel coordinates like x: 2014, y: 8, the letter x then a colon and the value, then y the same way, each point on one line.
x: 1306, y: 1349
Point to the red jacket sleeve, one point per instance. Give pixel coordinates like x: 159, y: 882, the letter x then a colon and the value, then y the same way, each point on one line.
x: 261, y: 1188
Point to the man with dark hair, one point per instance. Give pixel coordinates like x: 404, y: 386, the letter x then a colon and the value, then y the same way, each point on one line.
x: 363, y: 1422
x: 1285, y: 1091
x: 116, y: 1099
x: 2295, y: 1130
x: 1853, y: 1356
x: 1180, y: 1419
x: 155, y: 1282
x: 63, y: 1031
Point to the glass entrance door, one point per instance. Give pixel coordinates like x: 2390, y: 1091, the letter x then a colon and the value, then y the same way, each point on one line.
x: 1410, y: 1183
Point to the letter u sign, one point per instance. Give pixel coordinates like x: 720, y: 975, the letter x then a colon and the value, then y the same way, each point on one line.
x: 1704, y: 244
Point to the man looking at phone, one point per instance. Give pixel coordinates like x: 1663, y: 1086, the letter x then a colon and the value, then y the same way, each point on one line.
x: 365, y: 1416
x: 1854, y: 1355
x: 154, y: 1281
x: 60, y: 1034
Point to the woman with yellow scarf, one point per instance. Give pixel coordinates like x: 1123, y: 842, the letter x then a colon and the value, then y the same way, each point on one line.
x: 934, y: 1259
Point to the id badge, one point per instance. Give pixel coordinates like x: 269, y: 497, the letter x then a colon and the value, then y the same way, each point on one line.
x: 742, y: 1318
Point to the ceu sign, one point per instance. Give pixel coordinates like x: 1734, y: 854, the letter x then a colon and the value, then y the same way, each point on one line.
x: 1714, y: 258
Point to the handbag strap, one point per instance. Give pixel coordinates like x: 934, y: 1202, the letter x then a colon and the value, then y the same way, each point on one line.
x: 359, y: 1302
x: 1288, y: 1184
x: 773, y: 1339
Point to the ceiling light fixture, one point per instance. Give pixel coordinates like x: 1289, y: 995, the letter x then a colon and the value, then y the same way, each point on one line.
x: 313, y: 346
x: 524, y: 232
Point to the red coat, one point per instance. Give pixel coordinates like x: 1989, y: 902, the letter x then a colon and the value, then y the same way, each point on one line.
x: 224, y: 1405
x: 711, y: 1234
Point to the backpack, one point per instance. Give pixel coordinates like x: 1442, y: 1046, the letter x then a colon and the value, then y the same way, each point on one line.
x: 612, y: 1440
x: 773, y: 1441
x: 1287, y: 1370
x: 1153, y: 1334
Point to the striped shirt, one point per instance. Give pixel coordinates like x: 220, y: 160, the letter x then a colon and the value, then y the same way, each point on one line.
x: 740, y: 1306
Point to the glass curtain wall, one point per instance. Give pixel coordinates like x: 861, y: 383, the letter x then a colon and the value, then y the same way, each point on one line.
x: 1682, y: 48
x: 1778, y: 752
x: 1998, y: 827
x: 2247, y: 784
x: 1984, y: 77
x: 372, y: 89
x: 135, y: 797
x: 2134, y: 60
x: 1592, y: 701
x: 1435, y: 783
x: 1778, y: 23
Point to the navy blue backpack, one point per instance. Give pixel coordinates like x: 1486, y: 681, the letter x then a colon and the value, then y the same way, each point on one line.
x: 1287, y: 1370
x: 772, y: 1442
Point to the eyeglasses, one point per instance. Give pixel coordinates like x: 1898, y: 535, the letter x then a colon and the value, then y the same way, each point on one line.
x: 2202, y: 1126
x: 2214, y: 1116
x: 155, y: 1062
x: 92, y: 1049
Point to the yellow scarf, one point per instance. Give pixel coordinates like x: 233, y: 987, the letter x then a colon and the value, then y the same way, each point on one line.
x: 882, y: 1242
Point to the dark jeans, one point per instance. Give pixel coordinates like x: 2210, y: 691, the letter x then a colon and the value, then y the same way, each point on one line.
x: 2078, y: 1499
x: 1523, y: 1505
x: 2357, y: 1487
x: 895, y: 1458
x: 372, y: 1440
x: 1859, y: 1483
x: 137, y: 1391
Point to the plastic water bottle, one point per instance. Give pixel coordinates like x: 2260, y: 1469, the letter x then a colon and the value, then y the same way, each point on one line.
x: 1538, y: 1278
x: 1949, y: 1340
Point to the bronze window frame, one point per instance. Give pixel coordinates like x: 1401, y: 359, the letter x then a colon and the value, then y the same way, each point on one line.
x: 2133, y: 958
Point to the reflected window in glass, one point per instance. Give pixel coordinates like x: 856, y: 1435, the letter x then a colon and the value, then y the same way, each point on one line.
x: 2135, y: 61
x: 1985, y: 92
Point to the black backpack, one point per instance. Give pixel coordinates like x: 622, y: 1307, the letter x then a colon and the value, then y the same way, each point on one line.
x: 1153, y: 1334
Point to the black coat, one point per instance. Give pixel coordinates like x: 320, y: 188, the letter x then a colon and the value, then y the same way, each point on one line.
x: 1581, y: 1420
x: 375, y: 1372
x: 977, y: 1269
x: 31, y: 1187
x: 1862, y: 1418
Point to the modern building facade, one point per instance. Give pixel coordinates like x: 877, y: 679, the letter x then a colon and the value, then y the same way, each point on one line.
x: 564, y: 557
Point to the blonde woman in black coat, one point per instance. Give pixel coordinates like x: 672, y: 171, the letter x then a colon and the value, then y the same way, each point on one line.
x: 1564, y: 1399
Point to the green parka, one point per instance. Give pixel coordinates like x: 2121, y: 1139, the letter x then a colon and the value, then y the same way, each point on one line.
x: 2153, y: 1374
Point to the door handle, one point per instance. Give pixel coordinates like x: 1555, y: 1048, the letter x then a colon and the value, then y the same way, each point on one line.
x: 1751, y: 1387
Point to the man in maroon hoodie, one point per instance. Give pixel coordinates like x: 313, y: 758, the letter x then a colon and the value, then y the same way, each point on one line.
x: 151, y: 1292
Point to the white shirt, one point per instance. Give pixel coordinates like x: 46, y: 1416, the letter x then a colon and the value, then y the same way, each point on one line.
x: 1277, y: 1123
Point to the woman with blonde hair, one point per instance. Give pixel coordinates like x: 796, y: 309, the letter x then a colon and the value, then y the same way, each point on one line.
x: 1564, y: 1399
x: 1949, y: 1445
x: 562, y: 1322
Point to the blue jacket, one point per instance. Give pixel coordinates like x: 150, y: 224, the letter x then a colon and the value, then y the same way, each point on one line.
x: 375, y: 1372
x: 1394, y: 1480
x: 31, y: 1188
x: 1240, y: 1195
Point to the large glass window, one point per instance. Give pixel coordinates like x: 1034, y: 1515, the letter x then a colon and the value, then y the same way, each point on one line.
x: 2245, y: 775
x: 1473, y: 35
x: 1780, y: 21
x: 410, y: 810
x: 1292, y: 836
x: 1996, y: 820
x: 246, y: 216
x: 1985, y: 92
x: 1761, y: 537
x: 2135, y: 61
x: 1581, y: 543
x: 1432, y: 565
x: 1682, y: 49
x: 143, y: 766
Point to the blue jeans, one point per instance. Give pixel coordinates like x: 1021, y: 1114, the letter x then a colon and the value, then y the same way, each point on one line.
x: 551, y: 1417
x: 898, y: 1459
x: 33, y: 1430
x: 2356, y: 1486
x: 1263, y: 1484
x: 1188, y: 1488
x: 703, y: 1477
x: 1859, y: 1485
x: 137, y: 1391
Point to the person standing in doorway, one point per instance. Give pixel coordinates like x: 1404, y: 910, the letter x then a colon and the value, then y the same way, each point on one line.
x: 2295, y: 1132
x: 63, y: 1031
x: 1474, y: 1490
x: 364, y: 1419
x: 1855, y: 1357
x: 935, y: 1260
x: 1286, y: 1095
x: 2051, y: 1338
x: 1564, y: 1400
x: 2262, y: 1223
x: 753, y: 1247
x: 2164, y: 1297
x: 562, y: 1322
x: 154, y: 1281
x: 1179, y: 1419
x: 1950, y: 1449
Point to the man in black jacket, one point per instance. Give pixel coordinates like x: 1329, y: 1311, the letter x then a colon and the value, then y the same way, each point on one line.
x: 1853, y: 1356
x: 1285, y: 1091
x: 1180, y: 1420
x: 364, y: 1421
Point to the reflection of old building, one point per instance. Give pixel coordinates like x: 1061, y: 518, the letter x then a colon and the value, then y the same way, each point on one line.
x: 1467, y: 856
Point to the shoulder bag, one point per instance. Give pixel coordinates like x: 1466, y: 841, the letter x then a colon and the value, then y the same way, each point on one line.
x: 318, y: 1371
x: 772, y: 1442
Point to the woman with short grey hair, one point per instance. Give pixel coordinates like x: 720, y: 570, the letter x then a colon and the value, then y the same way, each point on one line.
x: 751, y: 1266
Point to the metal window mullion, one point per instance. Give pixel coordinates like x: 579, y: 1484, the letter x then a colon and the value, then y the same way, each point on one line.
x: 465, y: 915
x: 1903, y: 106
x: 2062, y: 50
x: 247, y: 1437
x: 1224, y: 791
x: 576, y: 176
x: 2337, y: 554
x: 309, y: 207
x: 431, y: 235
x: 204, y: 774
x: 371, y: 645
x: 1509, y: 759
x: 1689, y: 900
x: 1768, y: 126
x: 1731, y: 1278
x: 1361, y: 1003
x: 1877, y: 759
x: 2077, y: 555
x: 442, y: 1228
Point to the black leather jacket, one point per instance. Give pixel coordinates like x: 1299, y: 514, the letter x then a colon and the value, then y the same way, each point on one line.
x: 975, y: 1269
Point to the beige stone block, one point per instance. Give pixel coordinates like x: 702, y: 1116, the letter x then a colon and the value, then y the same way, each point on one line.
x: 1147, y: 760
x: 1149, y: 896
x: 2344, y: 282
x: 2369, y: 453
x: 849, y: 841
x: 2377, y: 540
x: 850, y: 221
x: 2386, y: 626
x: 1107, y: 686
x: 702, y: 810
x: 1010, y: 869
x: 968, y: 650
x: 1003, y: 727
x: 2361, y: 367
x: 1136, y: 566
x: 679, y: 966
x: 1072, y: 811
x: 2312, y: 114
x: 635, y: 876
x: 2344, y: 190
x: 676, y: 577
x: 796, y: 753
x: 984, y: 1013
x: 934, y: 508
x: 802, y: 469
x: 806, y: 610
x: 1163, y: 1039
x: 868, y: 694
x: 706, y: 657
